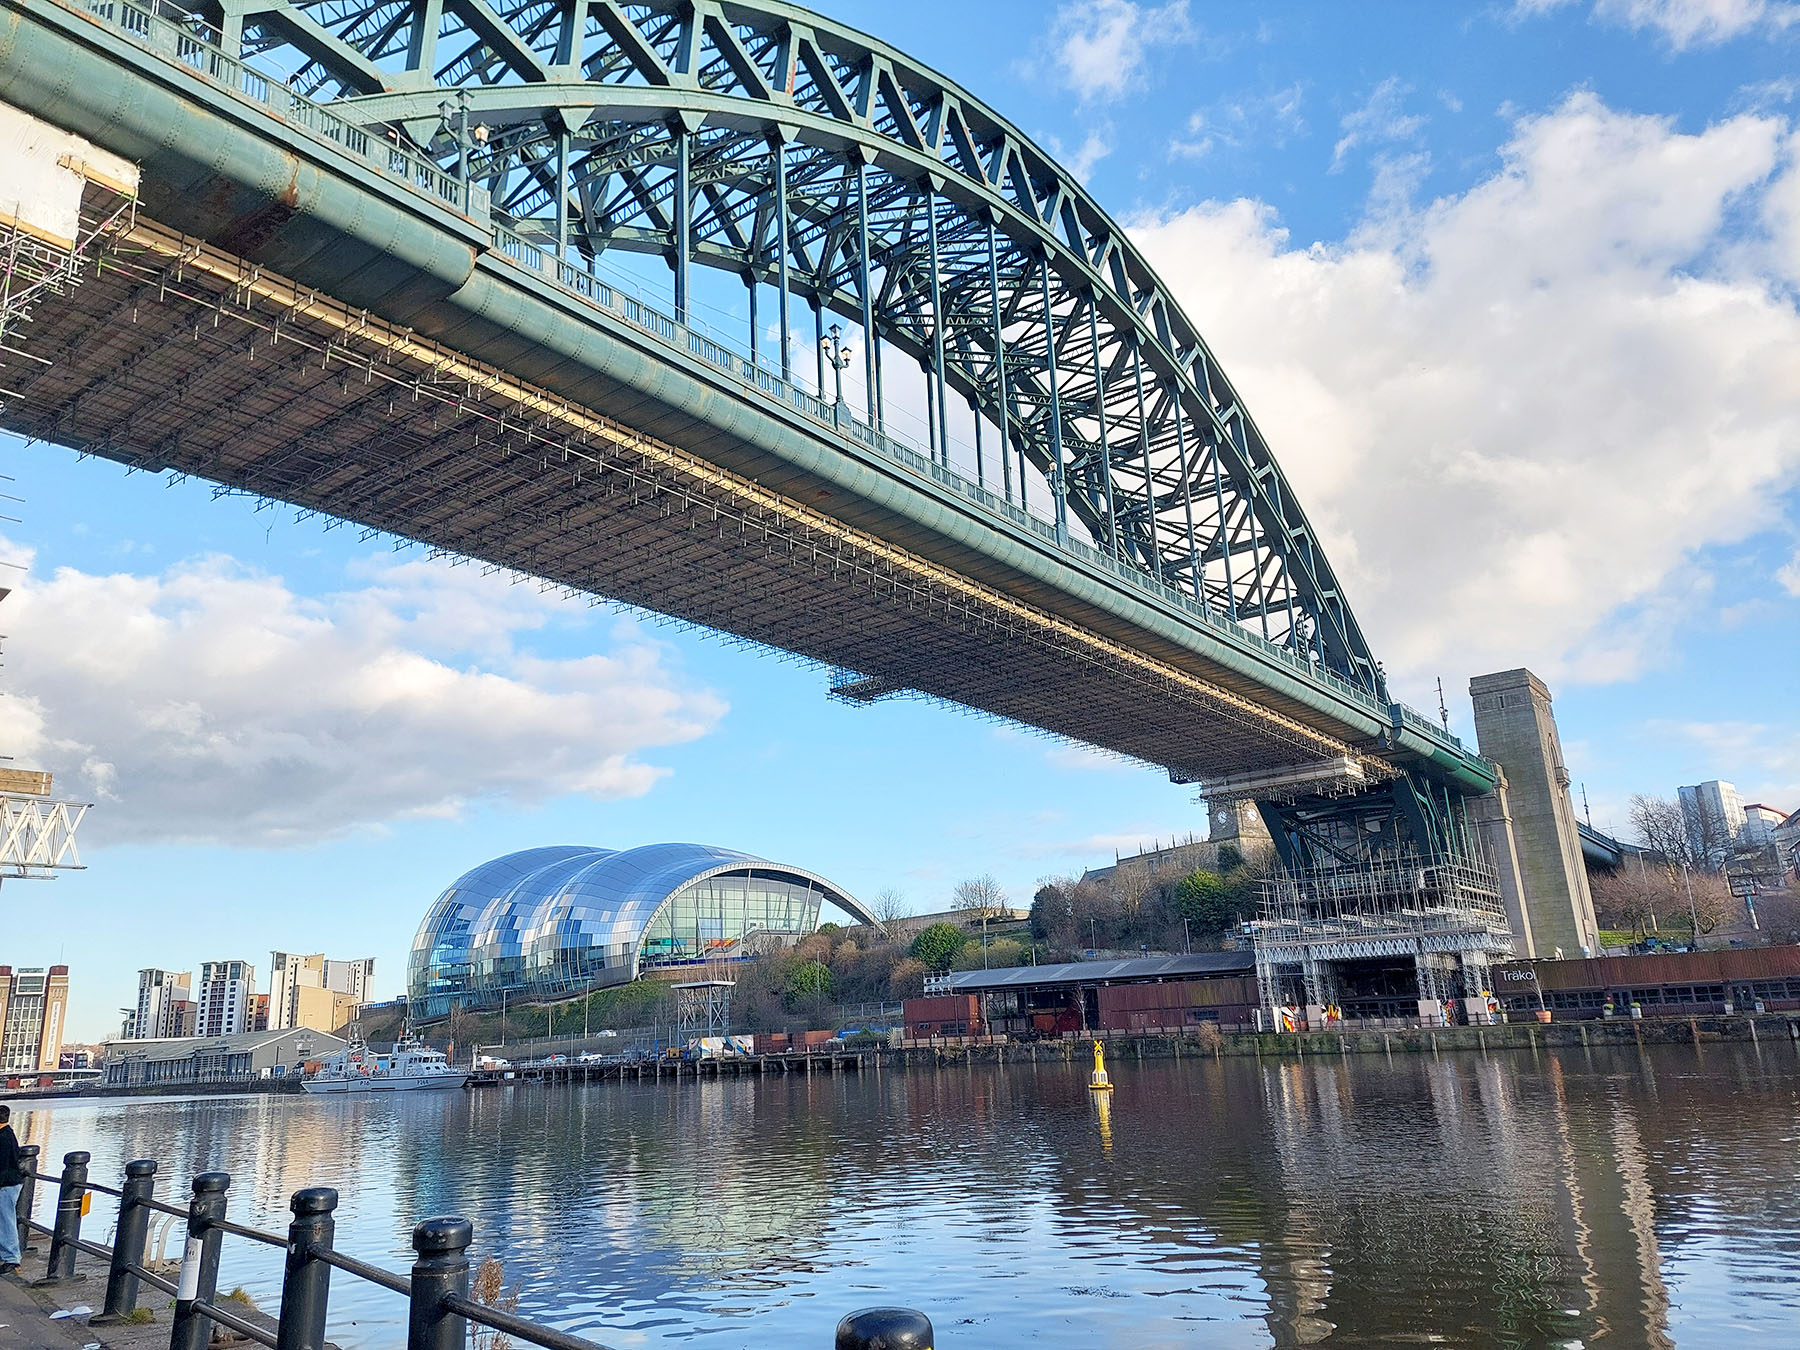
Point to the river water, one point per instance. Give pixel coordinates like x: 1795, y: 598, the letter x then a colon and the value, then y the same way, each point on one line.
x: 1574, y: 1198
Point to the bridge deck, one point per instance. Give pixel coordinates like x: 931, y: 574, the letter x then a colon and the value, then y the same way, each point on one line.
x: 189, y: 356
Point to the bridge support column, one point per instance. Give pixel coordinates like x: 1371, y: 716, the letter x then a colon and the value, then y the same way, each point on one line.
x: 864, y: 286
x: 778, y: 147
x: 1187, y: 489
x: 1005, y: 404
x: 1059, y: 478
x: 1106, y: 483
x: 932, y: 184
x: 684, y: 215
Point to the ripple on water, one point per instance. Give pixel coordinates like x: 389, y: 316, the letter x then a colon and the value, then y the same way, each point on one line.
x: 1497, y: 1201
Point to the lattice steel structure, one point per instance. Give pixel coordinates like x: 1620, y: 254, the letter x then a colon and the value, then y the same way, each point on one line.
x: 797, y: 153
x: 373, y: 277
x: 37, y: 837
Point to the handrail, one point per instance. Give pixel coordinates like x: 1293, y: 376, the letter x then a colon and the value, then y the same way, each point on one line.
x: 254, y: 1234
x: 197, y: 46
x: 514, y: 1325
x: 399, y: 1284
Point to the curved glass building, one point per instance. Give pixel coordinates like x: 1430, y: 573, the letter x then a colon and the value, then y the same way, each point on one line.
x: 552, y: 922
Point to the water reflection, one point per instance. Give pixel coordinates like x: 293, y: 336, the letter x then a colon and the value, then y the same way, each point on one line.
x: 1632, y: 1199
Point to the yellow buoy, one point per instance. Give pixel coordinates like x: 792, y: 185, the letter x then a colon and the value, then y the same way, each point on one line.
x: 1099, y: 1082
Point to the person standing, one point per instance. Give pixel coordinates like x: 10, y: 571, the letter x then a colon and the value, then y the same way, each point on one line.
x: 12, y: 1176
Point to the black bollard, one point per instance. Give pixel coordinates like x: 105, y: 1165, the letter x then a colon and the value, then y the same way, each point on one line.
x: 67, y: 1229
x: 28, y: 1159
x: 885, y: 1329
x: 199, y: 1279
x: 306, y: 1283
x: 128, y: 1243
x: 442, y: 1268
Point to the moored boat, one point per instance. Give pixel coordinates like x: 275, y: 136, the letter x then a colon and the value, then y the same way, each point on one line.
x: 408, y: 1067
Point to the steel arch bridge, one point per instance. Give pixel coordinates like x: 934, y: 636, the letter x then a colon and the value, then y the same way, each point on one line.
x: 816, y: 165
x: 766, y: 141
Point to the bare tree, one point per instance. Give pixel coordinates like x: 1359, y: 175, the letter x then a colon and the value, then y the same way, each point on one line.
x: 1662, y: 829
x: 978, y: 898
x: 1637, y: 900
x: 888, y: 905
x: 1710, y: 839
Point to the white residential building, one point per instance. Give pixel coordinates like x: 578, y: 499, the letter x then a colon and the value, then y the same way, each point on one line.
x: 355, y: 978
x: 1760, y: 823
x: 160, y: 1000
x: 226, y: 997
x: 1715, y: 819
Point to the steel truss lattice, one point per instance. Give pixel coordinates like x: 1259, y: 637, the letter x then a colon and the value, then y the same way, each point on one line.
x: 37, y: 837
x: 767, y: 141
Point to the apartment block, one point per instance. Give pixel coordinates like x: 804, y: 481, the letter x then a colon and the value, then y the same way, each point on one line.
x: 162, y: 997
x: 225, y: 999
x: 32, y: 1003
x: 313, y: 991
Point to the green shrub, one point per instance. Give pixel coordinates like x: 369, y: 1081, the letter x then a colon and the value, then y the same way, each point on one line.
x: 938, y: 945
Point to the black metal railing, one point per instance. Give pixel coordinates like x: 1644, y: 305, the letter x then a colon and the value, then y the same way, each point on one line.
x: 441, y: 1311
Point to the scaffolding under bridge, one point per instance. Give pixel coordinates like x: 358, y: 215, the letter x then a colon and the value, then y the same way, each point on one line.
x: 1443, y: 914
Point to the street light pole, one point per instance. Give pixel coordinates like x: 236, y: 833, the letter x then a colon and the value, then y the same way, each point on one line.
x: 1693, y: 912
x: 832, y: 344
x: 1187, y: 938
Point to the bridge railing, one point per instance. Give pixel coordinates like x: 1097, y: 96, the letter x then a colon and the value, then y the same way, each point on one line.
x: 441, y: 1315
x: 699, y: 340
x: 169, y: 31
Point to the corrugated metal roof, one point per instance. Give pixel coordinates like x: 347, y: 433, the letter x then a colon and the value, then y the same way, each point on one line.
x: 243, y: 1042
x: 1105, y: 972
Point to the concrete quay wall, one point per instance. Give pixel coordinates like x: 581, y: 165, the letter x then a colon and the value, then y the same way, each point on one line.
x: 1783, y: 1028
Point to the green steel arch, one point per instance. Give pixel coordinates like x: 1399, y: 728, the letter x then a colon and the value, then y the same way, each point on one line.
x: 801, y: 155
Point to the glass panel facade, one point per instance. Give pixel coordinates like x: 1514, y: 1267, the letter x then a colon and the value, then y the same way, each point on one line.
x: 550, y: 923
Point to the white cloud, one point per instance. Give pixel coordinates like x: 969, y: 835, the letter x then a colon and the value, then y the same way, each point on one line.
x: 1789, y: 576
x: 1269, y: 118
x: 1381, y: 120
x: 1094, y: 147
x: 210, y: 703
x: 1099, y: 46
x: 1517, y: 413
x: 1761, y: 758
x: 1685, y: 23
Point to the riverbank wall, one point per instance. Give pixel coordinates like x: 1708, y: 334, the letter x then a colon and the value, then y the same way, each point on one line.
x: 268, y: 1086
x: 1775, y: 1028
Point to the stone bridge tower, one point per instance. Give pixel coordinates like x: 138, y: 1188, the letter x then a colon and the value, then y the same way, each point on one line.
x: 1515, y: 728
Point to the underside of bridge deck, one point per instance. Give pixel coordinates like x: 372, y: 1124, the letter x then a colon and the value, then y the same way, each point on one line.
x: 178, y: 356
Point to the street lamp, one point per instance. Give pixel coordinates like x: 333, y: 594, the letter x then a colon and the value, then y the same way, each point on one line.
x: 1693, y: 912
x: 838, y: 355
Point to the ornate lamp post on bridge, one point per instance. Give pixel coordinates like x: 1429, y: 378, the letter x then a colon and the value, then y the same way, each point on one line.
x: 838, y: 356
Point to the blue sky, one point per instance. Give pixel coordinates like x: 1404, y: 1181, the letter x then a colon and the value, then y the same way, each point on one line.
x: 1511, y: 288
